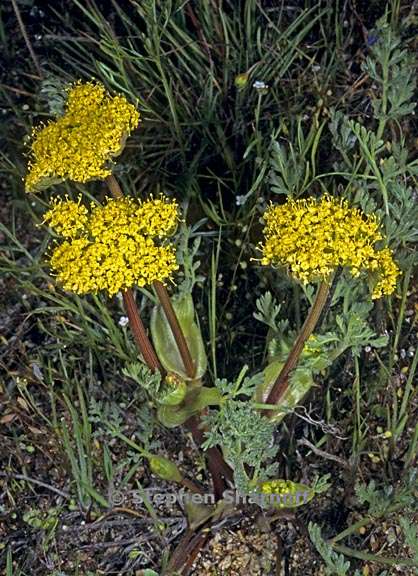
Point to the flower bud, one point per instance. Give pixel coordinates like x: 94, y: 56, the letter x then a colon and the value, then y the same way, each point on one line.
x: 241, y: 80
x: 173, y: 391
x: 165, y: 469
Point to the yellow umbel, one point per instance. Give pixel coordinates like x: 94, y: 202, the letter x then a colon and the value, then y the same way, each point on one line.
x: 113, y: 247
x: 311, y: 238
x: 80, y: 144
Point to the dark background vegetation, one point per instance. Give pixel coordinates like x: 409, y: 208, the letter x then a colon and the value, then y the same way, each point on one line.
x: 208, y: 142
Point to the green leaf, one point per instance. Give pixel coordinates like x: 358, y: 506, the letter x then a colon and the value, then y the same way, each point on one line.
x: 300, y: 383
x: 173, y: 392
x: 165, y: 344
x: 165, y: 469
x: 96, y: 495
x: 245, y: 436
x: 196, y: 401
x: 335, y: 564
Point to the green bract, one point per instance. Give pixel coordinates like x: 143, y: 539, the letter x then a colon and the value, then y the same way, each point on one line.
x: 165, y: 469
x: 300, y: 383
x: 196, y: 401
x: 165, y: 344
x: 173, y: 391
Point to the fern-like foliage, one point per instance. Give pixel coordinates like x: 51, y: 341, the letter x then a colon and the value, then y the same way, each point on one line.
x: 245, y: 435
x: 381, y: 501
x: 335, y: 564
x: 392, y: 70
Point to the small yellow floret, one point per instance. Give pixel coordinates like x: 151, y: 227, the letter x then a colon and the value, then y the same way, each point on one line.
x: 277, y: 487
x: 158, y: 217
x: 311, y: 238
x: 388, y: 273
x: 80, y: 144
x: 111, y: 249
x: 68, y: 219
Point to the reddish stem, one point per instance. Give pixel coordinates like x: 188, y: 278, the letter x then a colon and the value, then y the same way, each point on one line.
x: 114, y: 187
x: 216, y: 464
x: 282, y: 382
x: 139, y: 332
x: 218, y: 468
x: 135, y: 322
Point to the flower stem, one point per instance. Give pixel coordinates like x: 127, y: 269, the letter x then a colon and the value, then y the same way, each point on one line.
x: 114, y: 186
x: 282, y: 382
x: 218, y: 468
x: 366, y: 556
x: 141, y: 337
x: 139, y: 332
x: 164, y: 298
x: 175, y: 328
x: 216, y: 464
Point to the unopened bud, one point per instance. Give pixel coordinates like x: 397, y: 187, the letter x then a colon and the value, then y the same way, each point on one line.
x: 241, y: 80
x: 174, y: 390
x: 165, y: 469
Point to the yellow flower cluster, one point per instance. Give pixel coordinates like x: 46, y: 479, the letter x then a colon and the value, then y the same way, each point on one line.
x: 284, y: 493
x: 277, y: 487
x: 388, y: 272
x: 80, y: 144
x: 154, y: 218
x: 112, y: 247
x: 68, y: 219
x: 311, y: 238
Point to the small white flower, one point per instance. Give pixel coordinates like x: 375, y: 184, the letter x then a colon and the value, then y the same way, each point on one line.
x: 260, y: 85
x: 123, y: 321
